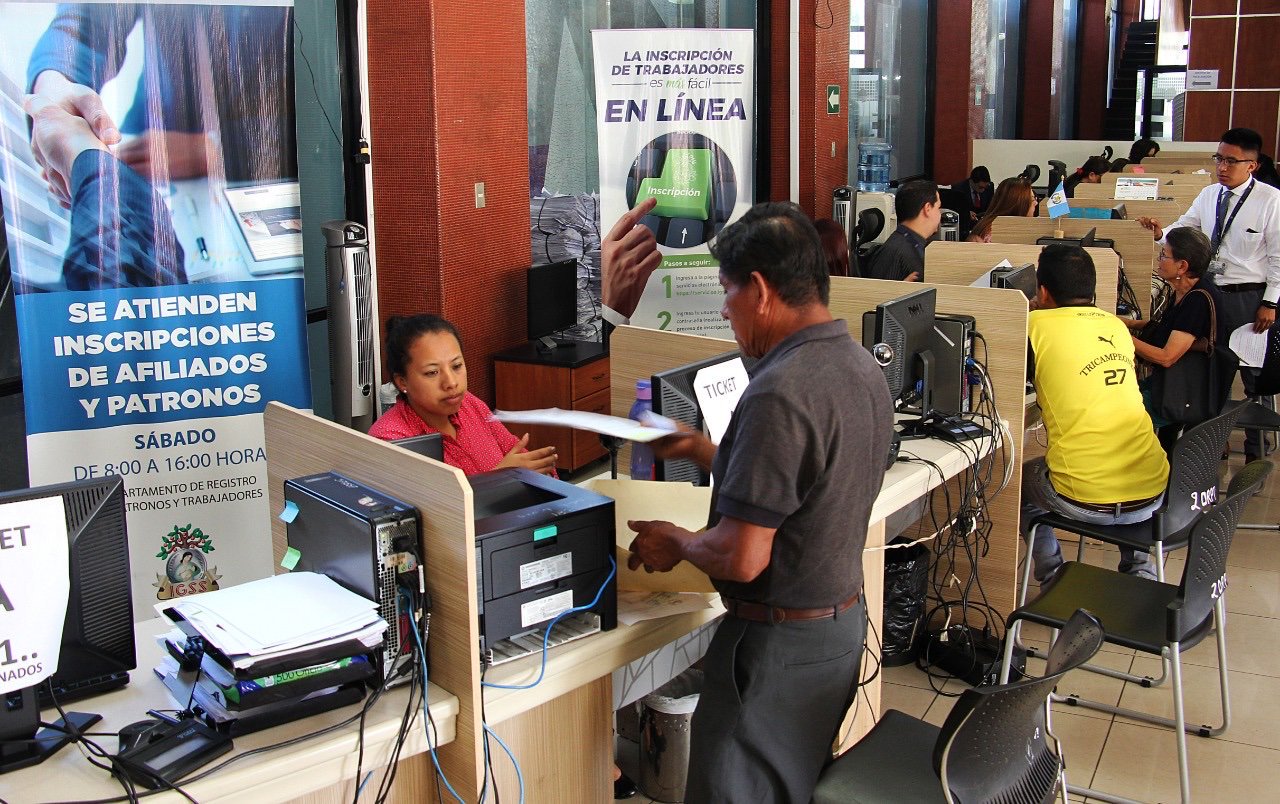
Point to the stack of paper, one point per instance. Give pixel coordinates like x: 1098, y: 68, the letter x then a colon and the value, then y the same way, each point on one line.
x: 567, y: 227
x: 279, y: 617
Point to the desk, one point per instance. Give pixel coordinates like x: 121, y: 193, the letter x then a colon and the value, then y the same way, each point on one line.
x: 325, y: 765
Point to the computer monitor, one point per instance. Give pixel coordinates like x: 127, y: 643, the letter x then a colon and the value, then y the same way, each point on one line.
x: 903, y: 337
x: 552, y: 300
x: 675, y: 398
x: 428, y: 445
x: 97, y: 635
x: 1021, y: 278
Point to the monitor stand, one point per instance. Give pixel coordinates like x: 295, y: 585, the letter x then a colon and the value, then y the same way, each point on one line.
x: 22, y: 742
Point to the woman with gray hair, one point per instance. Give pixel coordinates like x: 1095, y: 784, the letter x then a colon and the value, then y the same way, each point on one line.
x: 1185, y: 316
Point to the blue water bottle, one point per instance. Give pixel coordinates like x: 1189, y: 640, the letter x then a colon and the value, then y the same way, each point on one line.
x: 641, y: 454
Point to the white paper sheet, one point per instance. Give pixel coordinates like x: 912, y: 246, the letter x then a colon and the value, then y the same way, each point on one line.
x: 615, y: 426
x: 718, y: 389
x: 634, y: 607
x: 34, y: 586
x: 1250, y: 346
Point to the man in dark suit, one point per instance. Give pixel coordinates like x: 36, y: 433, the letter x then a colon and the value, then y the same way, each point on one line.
x: 978, y: 190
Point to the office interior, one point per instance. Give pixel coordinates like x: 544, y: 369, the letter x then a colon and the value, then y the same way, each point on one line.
x: 452, y: 106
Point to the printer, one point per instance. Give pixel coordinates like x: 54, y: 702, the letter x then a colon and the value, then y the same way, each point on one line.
x: 543, y: 546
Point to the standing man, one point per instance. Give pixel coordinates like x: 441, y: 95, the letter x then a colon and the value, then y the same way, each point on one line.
x: 1104, y: 464
x: 919, y: 211
x: 795, y: 477
x: 1241, y: 218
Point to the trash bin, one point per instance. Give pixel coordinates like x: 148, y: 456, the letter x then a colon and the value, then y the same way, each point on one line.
x: 906, y: 585
x: 665, y: 716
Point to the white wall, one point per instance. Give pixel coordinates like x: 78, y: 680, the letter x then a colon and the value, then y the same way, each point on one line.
x: 1006, y: 158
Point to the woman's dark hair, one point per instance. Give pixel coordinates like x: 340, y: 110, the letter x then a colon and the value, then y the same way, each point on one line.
x: 835, y: 246
x: 1095, y: 164
x: 404, y: 331
x: 1012, y: 197
x: 1190, y: 244
x: 1142, y: 149
x: 777, y: 239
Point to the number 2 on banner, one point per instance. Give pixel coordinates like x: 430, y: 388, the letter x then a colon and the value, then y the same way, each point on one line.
x: 665, y: 318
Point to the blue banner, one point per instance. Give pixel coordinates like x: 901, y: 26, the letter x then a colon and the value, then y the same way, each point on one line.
x: 156, y: 355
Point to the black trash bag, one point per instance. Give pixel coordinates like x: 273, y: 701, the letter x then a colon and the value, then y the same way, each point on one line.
x: 906, y: 583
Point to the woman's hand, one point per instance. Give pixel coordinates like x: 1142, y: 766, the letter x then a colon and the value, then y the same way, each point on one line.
x: 539, y: 460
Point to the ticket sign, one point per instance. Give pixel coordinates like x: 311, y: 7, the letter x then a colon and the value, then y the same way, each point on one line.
x: 34, y: 586
x: 718, y: 389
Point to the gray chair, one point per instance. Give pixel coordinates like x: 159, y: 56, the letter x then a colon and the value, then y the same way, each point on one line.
x: 1154, y: 617
x: 994, y: 746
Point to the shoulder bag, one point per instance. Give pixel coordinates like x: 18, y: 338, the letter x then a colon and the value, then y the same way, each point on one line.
x: 1195, y: 388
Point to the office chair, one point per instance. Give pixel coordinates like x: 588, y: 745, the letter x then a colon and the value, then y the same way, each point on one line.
x: 1152, y: 616
x: 1255, y: 416
x: 992, y: 747
x: 1192, y: 488
x: 1030, y: 173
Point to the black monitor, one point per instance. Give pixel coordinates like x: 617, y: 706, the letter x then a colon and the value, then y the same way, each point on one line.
x: 1021, y: 278
x: 675, y: 398
x: 97, y: 635
x: 905, y: 326
x: 552, y: 300
x: 428, y: 445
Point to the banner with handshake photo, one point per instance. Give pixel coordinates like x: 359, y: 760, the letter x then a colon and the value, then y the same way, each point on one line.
x: 148, y: 174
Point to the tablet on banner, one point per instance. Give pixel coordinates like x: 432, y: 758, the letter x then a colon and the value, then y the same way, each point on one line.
x: 142, y: 236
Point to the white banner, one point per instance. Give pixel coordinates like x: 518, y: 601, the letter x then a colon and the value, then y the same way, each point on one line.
x: 34, y: 585
x: 675, y: 113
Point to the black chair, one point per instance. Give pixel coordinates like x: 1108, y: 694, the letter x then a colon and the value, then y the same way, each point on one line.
x: 1193, y: 485
x: 1154, y: 617
x: 992, y: 747
x: 1254, y: 416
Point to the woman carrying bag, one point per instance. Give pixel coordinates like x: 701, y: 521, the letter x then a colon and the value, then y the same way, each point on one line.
x: 1183, y: 345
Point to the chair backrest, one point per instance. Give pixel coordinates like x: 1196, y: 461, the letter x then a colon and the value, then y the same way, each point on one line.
x: 1193, y: 475
x: 1269, y: 377
x: 1205, y: 577
x: 993, y: 747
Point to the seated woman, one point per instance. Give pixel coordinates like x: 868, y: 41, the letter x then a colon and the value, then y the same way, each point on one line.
x: 1182, y: 315
x: 1090, y: 172
x: 424, y: 355
x: 1013, y: 197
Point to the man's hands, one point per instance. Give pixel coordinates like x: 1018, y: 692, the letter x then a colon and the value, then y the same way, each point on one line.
x: 169, y: 154
x: 657, y: 545
x: 1264, y: 318
x: 628, y: 255
x: 1157, y: 228
x: 57, y: 138
x: 539, y: 460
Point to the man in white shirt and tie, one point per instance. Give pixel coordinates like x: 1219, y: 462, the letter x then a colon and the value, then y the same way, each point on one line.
x: 1241, y: 217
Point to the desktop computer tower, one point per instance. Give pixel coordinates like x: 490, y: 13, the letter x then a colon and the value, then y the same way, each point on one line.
x: 366, y: 541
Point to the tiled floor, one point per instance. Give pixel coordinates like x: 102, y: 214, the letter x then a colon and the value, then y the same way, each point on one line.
x: 1140, y: 761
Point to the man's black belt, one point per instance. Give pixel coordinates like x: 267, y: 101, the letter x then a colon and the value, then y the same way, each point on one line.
x: 762, y: 613
x: 1244, y: 287
x: 1113, y: 508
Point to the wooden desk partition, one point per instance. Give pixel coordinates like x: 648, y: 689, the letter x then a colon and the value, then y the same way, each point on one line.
x: 947, y: 263
x: 300, y: 444
x: 1136, y: 246
x: 1163, y: 211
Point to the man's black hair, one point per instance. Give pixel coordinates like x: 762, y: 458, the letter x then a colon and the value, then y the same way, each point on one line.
x: 1067, y: 273
x: 1246, y: 139
x: 778, y: 240
x: 980, y: 174
x: 912, y: 197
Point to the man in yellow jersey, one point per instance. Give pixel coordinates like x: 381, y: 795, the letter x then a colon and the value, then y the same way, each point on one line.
x: 1104, y: 464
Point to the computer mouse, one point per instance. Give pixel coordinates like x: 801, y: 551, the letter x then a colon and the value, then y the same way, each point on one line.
x: 143, y: 732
